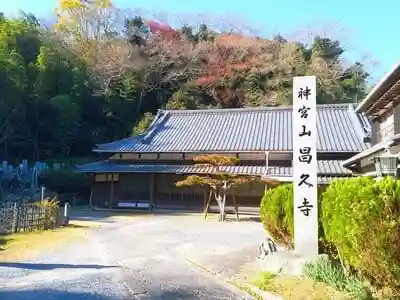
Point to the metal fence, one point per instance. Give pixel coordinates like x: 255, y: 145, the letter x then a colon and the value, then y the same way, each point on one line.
x: 17, y: 217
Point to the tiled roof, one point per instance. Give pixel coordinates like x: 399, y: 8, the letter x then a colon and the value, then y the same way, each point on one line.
x: 383, y: 86
x: 327, y: 170
x: 325, y: 167
x: 390, y: 142
x: 340, y: 129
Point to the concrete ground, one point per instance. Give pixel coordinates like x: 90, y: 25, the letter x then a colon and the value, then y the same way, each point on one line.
x: 162, y: 256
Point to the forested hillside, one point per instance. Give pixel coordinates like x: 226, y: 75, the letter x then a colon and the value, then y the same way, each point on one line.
x: 98, y: 73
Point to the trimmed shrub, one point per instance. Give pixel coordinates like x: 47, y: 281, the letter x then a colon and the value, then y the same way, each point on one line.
x: 276, y: 213
x: 361, y: 219
x: 65, y: 181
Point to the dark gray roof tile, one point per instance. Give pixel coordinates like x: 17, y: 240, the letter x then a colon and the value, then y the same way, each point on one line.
x: 340, y: 129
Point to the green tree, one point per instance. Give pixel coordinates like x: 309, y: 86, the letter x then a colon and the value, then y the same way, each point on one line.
x: 98, y: 74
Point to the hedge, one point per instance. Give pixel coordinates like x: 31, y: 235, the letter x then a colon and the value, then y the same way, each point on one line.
x: 359, y: 219
x: 65, y: 181
x: 276, y: 213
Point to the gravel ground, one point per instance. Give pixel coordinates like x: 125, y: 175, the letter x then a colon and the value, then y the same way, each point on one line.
x: 138, y: 258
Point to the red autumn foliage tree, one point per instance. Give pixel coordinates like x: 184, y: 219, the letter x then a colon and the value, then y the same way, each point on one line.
x: 165, y: 57
x: 162, y: 30
x: 227, y: 57
x: 220, y: 181
x: 212, y: 68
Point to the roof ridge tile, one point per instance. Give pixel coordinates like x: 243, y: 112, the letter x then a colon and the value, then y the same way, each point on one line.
x: 253, y: 109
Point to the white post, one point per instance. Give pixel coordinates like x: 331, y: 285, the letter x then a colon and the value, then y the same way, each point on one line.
x: 305, y: 167
x: 66, y: 216
x: 42, y: 194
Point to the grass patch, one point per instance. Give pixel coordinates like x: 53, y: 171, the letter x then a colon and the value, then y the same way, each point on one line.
x: 247, y: 289
x: 325, y: 271
x: 297, y: 288
x: 322, y: 280
x: 24, y: 245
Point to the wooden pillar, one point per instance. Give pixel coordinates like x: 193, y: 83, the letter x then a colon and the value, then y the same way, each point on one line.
x: 151, y: 192
x: 93, y: 182
x: 111, y: 191
x: 183, y: 189
x: 170, y: 189
x: 205, y: 199
x: 235, y: 206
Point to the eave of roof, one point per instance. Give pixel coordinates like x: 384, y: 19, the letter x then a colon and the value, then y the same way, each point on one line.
x: 384, y: 84
x: 325, y: 167
x: 340, y: 129
x: 374, y: 149
x: 327, y: 170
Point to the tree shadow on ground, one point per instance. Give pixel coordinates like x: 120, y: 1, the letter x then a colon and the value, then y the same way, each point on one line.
x: 243, y: 219
x: 45, y: 267
x: 176, y: 294
x: 77, y: 226
x: 51, y: 294
x: 103, y: 216
x: 3, y: 241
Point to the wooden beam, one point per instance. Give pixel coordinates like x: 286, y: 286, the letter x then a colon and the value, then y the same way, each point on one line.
x: 385, y: 98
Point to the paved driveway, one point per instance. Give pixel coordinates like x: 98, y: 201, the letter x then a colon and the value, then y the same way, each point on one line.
x: 151, y: 257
